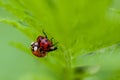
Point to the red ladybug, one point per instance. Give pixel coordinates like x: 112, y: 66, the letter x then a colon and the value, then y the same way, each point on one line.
x: 42, y: 46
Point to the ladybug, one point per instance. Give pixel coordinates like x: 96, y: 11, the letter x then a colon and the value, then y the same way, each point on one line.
x: 42, y: 46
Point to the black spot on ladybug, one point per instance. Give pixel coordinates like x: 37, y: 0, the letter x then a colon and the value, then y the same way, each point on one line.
x: 46, y: 40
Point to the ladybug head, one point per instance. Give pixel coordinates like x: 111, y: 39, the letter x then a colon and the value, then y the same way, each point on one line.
x: 34, y: 46
x: 36, y: 50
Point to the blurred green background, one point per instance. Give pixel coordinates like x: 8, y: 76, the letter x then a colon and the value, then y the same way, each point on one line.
x: 87, y: 32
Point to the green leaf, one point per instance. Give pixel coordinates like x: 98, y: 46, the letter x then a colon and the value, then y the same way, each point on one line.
x: 80, y: 27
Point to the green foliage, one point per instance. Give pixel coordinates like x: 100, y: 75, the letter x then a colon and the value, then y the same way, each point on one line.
x: 83, y: 29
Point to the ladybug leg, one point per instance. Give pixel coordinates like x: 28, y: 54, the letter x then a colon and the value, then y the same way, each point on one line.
x: 44, y: 33
x: 52, y: 48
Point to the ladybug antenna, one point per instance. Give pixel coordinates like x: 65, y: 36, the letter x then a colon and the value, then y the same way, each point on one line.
x: 44, y: 33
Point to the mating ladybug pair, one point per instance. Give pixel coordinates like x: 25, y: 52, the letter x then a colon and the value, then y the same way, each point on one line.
x: 42, y: 46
